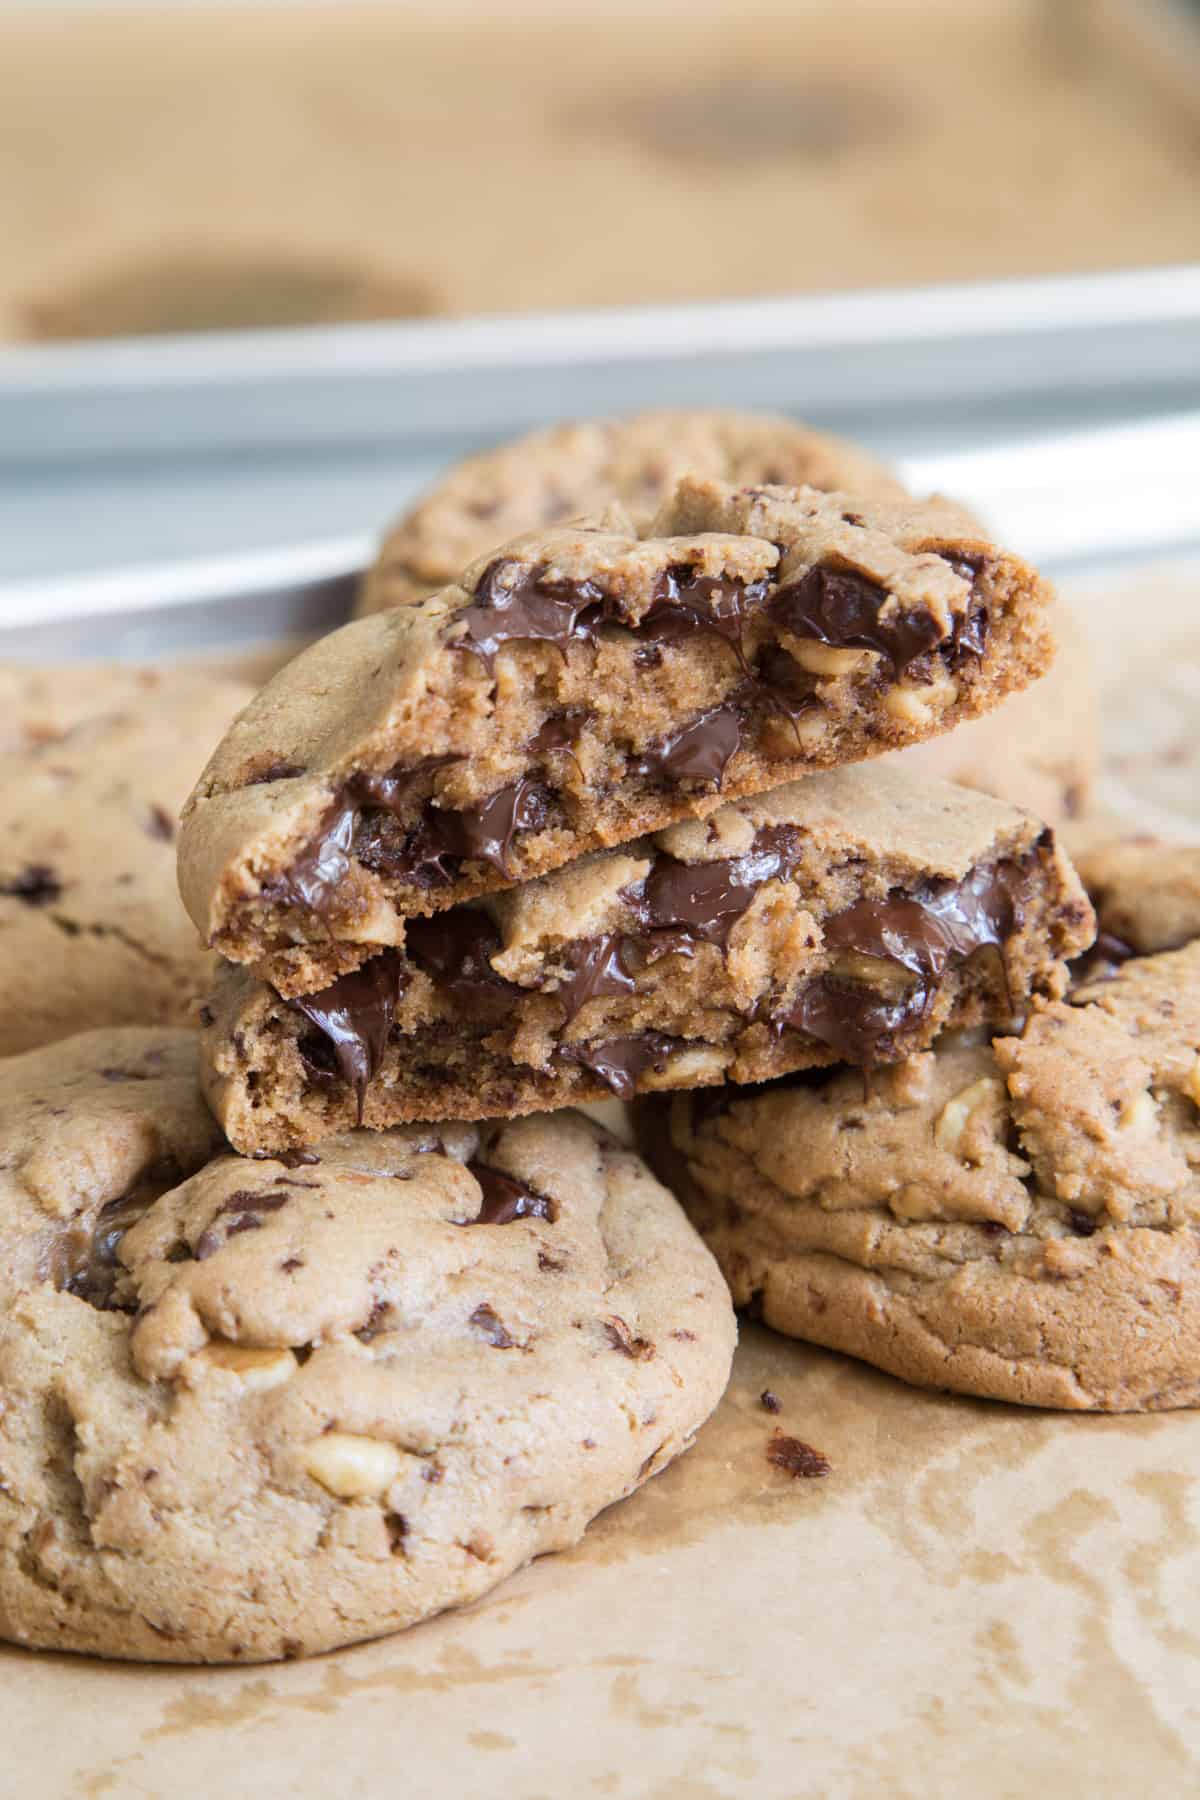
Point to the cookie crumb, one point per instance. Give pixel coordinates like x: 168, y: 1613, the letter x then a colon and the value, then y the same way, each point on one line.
x: 796, y: 1458
x: 770, y: 1402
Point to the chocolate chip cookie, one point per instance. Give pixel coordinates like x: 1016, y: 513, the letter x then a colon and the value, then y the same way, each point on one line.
x: 95, y: 763
x: 1016, y: 1220
x: 254, y: 1409
x: 848, y: 916
x: 577, y: 469
x: 582, y: 687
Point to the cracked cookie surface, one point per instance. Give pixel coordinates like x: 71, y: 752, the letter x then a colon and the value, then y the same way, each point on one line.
x: 582, y: 687
x: 1017, y: 1220
x: 852, y: 915
x: 256, y: 1409
x: 579, y: 468
x: 95, y: 763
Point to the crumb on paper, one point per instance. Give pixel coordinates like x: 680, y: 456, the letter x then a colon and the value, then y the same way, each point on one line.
x: 796, y: 1458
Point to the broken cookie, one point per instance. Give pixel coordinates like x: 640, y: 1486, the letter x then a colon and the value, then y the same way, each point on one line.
x: 849, y: 916
x: 582, y: 687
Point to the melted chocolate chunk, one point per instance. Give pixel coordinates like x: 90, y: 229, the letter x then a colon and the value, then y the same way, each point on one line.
x: 797, y: 1458
x: 505, y: 1198
x: 318, y: 872
x: 705, y: 900
x: 559, y: 732
x: 515, y: 604
x: 88, y: 1264
x: 923, y: 933
x: 597, y: 968
x: 36, y: 885
x: 684, y: 604
x: 432, y: 855
x: 392, y: 792
x: 843, y: 609
x: 355, y: 1015
x: 858, y: 1023
x: 700, y: 751
x: 620, y: 1061
x: 944, y: 920
x: 455, y: 948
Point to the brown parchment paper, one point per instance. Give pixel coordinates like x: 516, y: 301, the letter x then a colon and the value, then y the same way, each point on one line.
x: 978, y: 1601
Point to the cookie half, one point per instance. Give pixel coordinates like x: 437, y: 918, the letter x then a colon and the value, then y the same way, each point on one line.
x: 850, y: 916
x: 576, y: 469
x: 95, y: 763
x: 1016, y: 1220
x: 259, y: 1409
x: 583, y: 687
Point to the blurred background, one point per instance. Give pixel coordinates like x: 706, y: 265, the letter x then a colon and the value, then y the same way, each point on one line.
x: 189, y: 166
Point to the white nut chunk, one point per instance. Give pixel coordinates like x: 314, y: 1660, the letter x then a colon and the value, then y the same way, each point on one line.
x: 254, y: 1368
x: 952, y: 1120
x: 1140, y: 1113
x: 352, y: 1467
x: 825, y: 659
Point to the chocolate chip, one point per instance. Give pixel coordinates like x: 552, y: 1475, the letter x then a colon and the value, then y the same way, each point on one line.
x: 560, y: 731
x: 291, y: 1159
x: 638, y: 1349
x: 355, y: 1015
x: 846, y: 610
x: 485, y: 1320
x: 207, y: 1016
x: 517, y: 604
x: 700, y: 751
x: 595, y: 969
x: 161, y: 825
x: 796, y: 1458
x: 704, y: 900
x: 1083, y: 1224
x: 619, y: 1061
x: 456, y: 949
x: 770, y: 1402
x: 505, y: 1198
x: 923, y: 933
x: 36, y: 885
x: 685, y: 603
x: 550, y: 1263
x: 87, y: 1264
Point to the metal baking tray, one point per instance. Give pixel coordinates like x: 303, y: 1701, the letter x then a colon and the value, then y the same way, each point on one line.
x: 166, y: 496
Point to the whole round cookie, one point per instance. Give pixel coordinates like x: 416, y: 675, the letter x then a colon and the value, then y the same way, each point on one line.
x: 579, y: 468
x: 95, y: 763
x: 256, y: 1409
x: 1015, y: 1220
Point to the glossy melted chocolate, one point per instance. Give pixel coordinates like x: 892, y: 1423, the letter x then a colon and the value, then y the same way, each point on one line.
x: 505, y: 1198
x: 355, y: 1015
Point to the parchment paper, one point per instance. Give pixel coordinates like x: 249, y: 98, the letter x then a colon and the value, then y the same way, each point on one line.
x: 977, y: 1602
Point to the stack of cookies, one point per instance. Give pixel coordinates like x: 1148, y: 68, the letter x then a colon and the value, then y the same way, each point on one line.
x: 329, y: 1315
